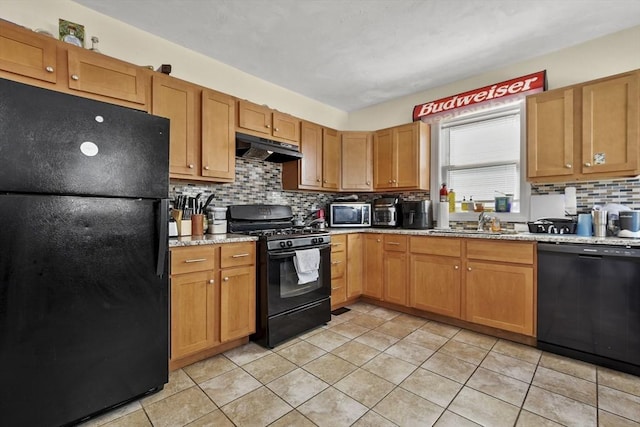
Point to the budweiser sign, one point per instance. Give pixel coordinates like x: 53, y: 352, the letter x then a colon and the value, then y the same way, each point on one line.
x: 536, y: 81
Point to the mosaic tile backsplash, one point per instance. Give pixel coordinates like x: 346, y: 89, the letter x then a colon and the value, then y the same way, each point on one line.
x: 260, y: 182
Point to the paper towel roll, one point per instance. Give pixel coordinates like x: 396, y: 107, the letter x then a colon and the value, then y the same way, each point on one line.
x: 570, y: 202
x: 443, y: 215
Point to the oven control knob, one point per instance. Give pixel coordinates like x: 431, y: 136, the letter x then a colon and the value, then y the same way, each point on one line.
x: 289, y: 243
x: 320, y: 240
x: 314, y: 240
x: 282, y: 244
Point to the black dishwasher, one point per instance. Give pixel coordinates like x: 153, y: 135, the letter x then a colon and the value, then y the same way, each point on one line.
x: 589, y: 303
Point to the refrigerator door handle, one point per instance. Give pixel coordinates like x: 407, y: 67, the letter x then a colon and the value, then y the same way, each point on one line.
x: 163, y: 231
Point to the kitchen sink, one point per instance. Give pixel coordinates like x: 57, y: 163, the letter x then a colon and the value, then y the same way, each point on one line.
x: 472, y: 232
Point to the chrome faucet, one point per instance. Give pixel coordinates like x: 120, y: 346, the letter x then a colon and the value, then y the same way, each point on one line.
x: 483, y: 219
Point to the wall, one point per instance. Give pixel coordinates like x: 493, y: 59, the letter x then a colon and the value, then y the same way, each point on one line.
x: 130, y: 44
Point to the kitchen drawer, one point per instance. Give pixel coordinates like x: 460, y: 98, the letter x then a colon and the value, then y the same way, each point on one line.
x: 512, y: 252
x: 338, y: 243
x: 443, y: 246
x: 338, y: 264
x: 235, y: 254
x: 193, y: 258
x: 395, y: 243
x: 338, y: 290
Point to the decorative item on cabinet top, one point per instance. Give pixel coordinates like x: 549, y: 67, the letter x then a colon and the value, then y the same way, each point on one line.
x: 71, y: 33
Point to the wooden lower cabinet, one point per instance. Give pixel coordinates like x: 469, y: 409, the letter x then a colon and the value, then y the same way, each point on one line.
x: 354, y: 265
x: 338, y: 270
x: 499, y: 285
x: 213, y: 299
x: 373, y: 266
x: 395, y: 269
x: 435, y: 284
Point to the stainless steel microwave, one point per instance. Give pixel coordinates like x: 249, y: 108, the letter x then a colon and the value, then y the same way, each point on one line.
x: 353, y: 214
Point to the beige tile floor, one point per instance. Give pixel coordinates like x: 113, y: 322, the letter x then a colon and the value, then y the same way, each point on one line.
x: 376, y: 367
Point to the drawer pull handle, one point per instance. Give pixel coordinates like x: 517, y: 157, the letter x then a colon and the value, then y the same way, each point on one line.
x: 226, y: 279
x: 336, y: 244
x: 239, y: 255
x: 333, y: 289
x: 189, y: 261
x: 336, y: 262
x: 393, y: 243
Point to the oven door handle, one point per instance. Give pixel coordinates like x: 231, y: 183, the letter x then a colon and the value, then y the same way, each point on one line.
x: 279, y: 255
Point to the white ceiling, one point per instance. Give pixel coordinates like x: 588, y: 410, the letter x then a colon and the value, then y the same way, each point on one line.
x: 351, y: 54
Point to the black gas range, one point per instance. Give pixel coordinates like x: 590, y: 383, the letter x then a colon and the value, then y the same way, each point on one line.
x: 289, y: 301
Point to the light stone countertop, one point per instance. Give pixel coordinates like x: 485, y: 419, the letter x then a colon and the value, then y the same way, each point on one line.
x: 471, y: 234
x: 209, y: 239
x: 214, y: 239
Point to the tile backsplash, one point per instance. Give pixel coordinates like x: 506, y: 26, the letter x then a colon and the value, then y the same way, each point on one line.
x: 260, y: 182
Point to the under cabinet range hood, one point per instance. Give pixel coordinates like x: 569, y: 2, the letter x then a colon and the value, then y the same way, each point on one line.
x: 254, y: 147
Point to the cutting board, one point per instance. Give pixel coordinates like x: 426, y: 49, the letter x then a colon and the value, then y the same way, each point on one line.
x: 547, y: 206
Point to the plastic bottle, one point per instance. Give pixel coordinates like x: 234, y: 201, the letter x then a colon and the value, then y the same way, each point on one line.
x: 463, y: 205
x: 444, y: 193
x: 452, y: 200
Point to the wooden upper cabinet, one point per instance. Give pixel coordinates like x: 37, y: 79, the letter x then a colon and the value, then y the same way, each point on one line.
x: 611, y: 125
x: 27, y: 54
x: 330, y: 159
x: 101, y: 75
x: 586, y: 131
x: 218, y: 136
x: 177, y: 100
x: 260, y: 120
x: 286, y: 127
x: 550, y: 134
x: 357, y: 161
x: 319, y: 168
x: 401, y: 157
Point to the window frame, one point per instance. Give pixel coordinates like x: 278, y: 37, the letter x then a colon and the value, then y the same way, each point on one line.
x: 438, y: 153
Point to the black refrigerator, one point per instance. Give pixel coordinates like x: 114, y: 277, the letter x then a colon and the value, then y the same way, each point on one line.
x: 84, y: 305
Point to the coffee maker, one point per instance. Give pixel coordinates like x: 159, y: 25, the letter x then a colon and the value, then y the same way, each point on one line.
x: 387, y: 212
x: 417, y: 215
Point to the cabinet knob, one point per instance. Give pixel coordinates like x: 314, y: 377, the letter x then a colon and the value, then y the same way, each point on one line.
x: 394, y: 181
x: 325, y: 181
x: 368, y: 182
x: 226, y: 279
x: 212, y: 281
x: 206, y: 168
x: 268, y: 126
x: 49, y: 69
x: 568, y: 166
x: 588, y: 164
x: 75, y: 77
x: 456, y: 267
x: 390, y: 181
x: 276, y: 129
x: 191, y: 166
x: 468, y: 268
x: 378, y: 240
x: 317, y: 179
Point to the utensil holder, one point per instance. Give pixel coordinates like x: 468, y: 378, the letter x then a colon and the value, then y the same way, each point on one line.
x: 197, y: 224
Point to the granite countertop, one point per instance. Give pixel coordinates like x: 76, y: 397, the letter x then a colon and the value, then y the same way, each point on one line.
x: 209, y: 239
x: 472, y: 234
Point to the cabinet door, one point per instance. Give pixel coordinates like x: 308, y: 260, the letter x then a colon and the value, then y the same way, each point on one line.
x: 611, y: 125
x: 338, y: 278
x: 500, y: 295
x: 395, y: 277
x: 550, y: 134
x: 177, y: 101
x: 357, y: 161
x: 238, y: 303
x: 286, y: 127
x: 354, y: 265
x: 194, y: 315
x: 218, y: 136
x: 98, y: 74
x: 311, y: 148
x: 405, y: 145
x: 435, y: 284
x: 27, y: 54
x: 254, y: 117
x: 330, y: 159
x: 383, y: 160
x: 373, y: 269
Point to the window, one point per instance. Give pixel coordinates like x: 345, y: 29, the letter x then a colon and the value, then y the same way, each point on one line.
x: 481, y: 156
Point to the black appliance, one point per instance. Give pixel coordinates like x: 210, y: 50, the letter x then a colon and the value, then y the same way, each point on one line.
x: 553, y: 226
x: 254, y: 147
x: 589, y: 303
x: 387, y: 212
x: 83, y: 256
x: 417, y: 214
x: 284, y: 308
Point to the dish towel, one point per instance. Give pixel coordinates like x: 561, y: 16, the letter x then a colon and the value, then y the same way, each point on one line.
x: 307, y: 263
